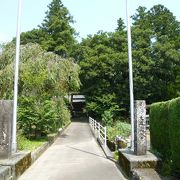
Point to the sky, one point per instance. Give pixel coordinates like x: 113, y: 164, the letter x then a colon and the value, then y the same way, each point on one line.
x: 90, y: 15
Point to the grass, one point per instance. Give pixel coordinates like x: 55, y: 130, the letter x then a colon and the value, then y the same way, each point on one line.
x: 29, y: 145
x: 116, y: 155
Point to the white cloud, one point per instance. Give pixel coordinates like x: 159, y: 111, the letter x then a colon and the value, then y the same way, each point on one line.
x: 4, y: 38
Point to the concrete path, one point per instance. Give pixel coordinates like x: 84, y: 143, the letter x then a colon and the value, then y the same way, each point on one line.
x: 75, y: 155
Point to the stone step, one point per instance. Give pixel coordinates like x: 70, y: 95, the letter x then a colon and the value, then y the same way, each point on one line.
x: 129, y: 161
x: 5, y: 173
x: 145, y: 174
x: 18, y: 163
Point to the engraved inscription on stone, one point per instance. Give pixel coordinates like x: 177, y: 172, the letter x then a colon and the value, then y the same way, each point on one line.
x: 6, y: 115
x: 140, y: 142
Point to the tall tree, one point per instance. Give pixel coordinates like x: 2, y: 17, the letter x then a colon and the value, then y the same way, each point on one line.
x: 102, y: 60
x: 156, y: 57
x: 55, y: 33
x: 155, y: 51
x: 141, y: 45
x: 165, y: 53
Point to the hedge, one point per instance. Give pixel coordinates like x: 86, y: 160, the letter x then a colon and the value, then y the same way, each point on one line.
x: 159, y: 128
x: 165, y: 131
x: 174, y: 131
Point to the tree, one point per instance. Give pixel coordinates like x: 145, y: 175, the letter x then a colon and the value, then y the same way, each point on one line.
x: 165, y: 53
x: 44, y: 83
x: 55, y: 34
x: 155, y: 52
x: 99, y: 56
x: 141, y: 46
x: 104, y: 62
x: 33, y: 36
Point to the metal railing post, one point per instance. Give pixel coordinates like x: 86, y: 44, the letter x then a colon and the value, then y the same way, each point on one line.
x: 99, y: 129
x: 95, y: 126
x: 105, y: 137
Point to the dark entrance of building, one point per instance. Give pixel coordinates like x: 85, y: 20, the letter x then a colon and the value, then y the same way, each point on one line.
x: 78, y: 103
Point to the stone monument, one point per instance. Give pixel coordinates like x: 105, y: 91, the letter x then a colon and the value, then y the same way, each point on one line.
x: 139, y: 159
x: 140, y: 141
x: 6, y: 118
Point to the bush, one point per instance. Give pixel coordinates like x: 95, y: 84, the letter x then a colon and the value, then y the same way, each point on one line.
x: 165, y: 131
x: 107, y: 118
x: 103, y: 106
x: 174, y: 131
x: 119, y: 129
x: 25, y: 144
x: 39, y: 118
x: 159, y: 125
x: 45, y: 79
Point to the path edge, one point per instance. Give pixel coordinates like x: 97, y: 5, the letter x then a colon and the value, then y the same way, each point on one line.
x: 14, y: 167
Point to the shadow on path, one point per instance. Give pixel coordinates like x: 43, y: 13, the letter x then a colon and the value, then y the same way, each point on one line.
x: 86, y: 152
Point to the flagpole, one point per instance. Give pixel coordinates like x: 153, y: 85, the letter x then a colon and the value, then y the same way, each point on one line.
x: 16, y: 76
x: 130, y: 75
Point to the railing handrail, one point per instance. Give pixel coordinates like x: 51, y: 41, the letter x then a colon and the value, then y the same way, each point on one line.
x: 98, y: 130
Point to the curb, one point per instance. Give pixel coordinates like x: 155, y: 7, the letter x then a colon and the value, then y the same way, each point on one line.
x: 5, y: 173
x: 17, y: 164
x: 14, y: 167
x: 106, y: 150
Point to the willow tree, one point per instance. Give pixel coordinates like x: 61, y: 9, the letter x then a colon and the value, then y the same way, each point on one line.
x: 45, y: 80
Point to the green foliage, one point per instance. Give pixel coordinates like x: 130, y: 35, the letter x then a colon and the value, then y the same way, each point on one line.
x: 116, y: 155
x: 156, y: 57
x: 107, y: 118
x: 118, y: 129
x: 45, y: 80
x: 63, y: 113
x: 38, y: 118
x: 174, y: 132
x: 165, y: 130
x: 101, y: 106
x: 101, y: 66
x: 159, y: 128
x: 55, y: 34
x: 156, y: 54
x: 29, y: 145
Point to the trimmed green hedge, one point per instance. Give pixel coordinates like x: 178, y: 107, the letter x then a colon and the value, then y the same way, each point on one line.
x: 174, y: 131
x: 165, y: 131
x: 159, y: 128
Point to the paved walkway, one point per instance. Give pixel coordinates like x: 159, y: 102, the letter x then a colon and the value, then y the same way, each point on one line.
x: 75, y: 155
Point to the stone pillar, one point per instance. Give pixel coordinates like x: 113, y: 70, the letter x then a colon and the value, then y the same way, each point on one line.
x: 140, y: 141
x: 6, y: 118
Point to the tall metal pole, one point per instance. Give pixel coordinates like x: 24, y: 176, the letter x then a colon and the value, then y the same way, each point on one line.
x: 130, y: 75
x: 16, y: 75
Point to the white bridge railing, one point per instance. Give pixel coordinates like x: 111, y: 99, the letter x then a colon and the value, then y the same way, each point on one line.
x: 99, y: 131
x: 147, y: 121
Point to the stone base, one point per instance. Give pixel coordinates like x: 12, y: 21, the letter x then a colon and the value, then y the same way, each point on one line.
x: 5, y: 173
x: 145, y: 173
x: 18, y: 163
x: 129, y: 161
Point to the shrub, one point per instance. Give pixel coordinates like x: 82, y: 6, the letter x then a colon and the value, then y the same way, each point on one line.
x: 119, y: 129
x: 45, y: 79
x: 174, y: 131
x: 159, y: 128
x: 107, y: 118
x: 165, y: 132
